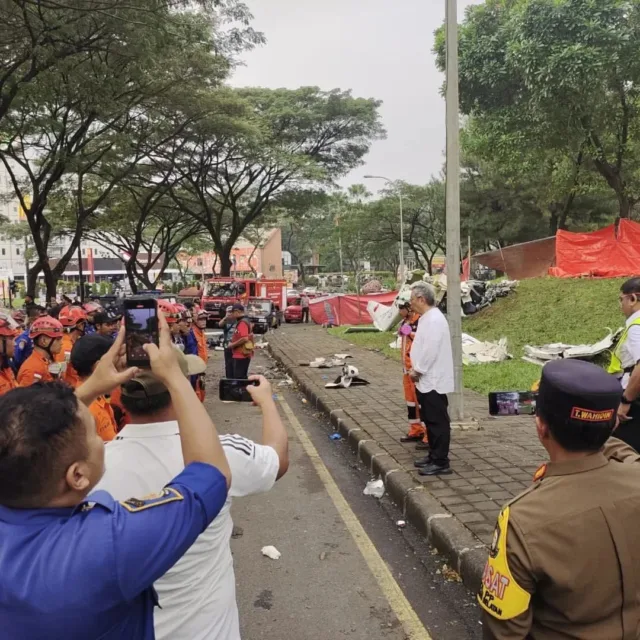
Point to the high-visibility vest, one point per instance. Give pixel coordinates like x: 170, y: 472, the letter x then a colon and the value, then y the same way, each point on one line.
x: 615, y: 367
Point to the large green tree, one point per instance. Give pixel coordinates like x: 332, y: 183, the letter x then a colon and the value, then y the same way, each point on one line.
x: 294, y: 139
x: 558, y: 75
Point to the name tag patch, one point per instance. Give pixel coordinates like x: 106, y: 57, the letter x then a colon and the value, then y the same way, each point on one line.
x: 169, y: 494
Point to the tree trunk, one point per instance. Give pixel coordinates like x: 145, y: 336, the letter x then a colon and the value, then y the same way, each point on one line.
x: 50, y: 281
x: 225, y: 262
x: 131, y: 277
x: 32, y: 279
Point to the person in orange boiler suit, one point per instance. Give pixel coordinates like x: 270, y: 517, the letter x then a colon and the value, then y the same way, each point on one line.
x: 74, y: 321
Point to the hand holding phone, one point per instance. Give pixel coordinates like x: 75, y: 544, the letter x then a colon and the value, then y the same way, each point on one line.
x: 141, y: 327
x: 236, y: 390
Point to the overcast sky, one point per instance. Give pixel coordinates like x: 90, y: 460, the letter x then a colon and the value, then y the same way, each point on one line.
x: 379, y: 49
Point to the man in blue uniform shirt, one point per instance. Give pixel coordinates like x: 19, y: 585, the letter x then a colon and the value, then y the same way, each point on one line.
x: 24, y: 344
x: 75, y: 566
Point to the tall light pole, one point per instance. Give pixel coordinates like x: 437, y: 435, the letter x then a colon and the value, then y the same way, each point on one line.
x: 454, y: 304
x: 392, y: 182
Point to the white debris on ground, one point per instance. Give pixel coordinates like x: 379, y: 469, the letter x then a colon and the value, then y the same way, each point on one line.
x: 271, y: 552
x: 475, y: 351
x: 374, y: 488
x: 558, y: 350
x: 396, y: 344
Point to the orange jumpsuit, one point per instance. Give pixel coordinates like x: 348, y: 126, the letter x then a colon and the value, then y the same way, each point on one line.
x: 115, y: 400
x: 203, y: 352
x: 34, y: 369
x: 105, y: 420
x: 7, y: 380
x: 416, y: 428
x: 70, y: 376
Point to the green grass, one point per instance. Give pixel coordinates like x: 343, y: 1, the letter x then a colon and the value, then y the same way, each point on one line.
x: 542, y: 310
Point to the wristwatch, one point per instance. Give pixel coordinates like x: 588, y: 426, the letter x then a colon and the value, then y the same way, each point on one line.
x: 624, y: 400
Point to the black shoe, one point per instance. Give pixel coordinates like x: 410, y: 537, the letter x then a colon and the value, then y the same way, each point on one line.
x: 423, y: 446
x: 422, y: 462
x: 435, y: 470
x: 411, y: 439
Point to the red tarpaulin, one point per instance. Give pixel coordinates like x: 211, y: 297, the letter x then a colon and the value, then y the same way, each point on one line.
x: 346, y: 309
x: 599, y: 254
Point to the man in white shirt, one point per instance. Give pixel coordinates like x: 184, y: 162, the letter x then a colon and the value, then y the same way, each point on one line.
x: 432, y: 371
x: 197, y: 595
x: 624, y: 364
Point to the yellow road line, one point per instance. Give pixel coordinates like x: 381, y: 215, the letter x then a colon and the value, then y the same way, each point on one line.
x: 403, y: 610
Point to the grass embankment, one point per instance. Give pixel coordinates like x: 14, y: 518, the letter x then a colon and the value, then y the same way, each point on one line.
x: 542, y: 310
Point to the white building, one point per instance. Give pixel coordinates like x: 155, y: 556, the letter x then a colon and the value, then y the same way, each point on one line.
x: 12, y: 252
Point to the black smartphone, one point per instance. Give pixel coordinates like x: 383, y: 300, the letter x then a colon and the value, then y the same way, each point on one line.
x: 512, y: 403
x: 141, y: 327
x: 236, y: 390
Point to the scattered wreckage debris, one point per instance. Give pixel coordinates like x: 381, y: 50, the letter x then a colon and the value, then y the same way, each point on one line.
x: 476, y: 351
x: 337, y: 360
x: 349, y: 377
x: 558, y: 350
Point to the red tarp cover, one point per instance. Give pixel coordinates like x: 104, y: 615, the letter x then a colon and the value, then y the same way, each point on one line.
x: 599, y: 254
x: 346, y: 309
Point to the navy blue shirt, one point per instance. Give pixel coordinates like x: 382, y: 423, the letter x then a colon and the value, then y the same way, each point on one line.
x: 87, y: 573
x: 22, y: 350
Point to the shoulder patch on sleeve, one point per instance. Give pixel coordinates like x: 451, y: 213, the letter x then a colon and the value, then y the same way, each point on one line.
x: 168, y: 494
x: 500, y: 595
x: 22, y: 344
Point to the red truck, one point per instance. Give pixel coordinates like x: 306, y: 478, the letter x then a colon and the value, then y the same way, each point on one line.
x: 219, y: 293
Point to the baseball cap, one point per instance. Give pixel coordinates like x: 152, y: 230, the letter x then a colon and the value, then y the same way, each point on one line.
x: 237, y: 307
x: 578, y: 395
x: 148, y: 385
x: 106, y: 317
x: 88, y: 350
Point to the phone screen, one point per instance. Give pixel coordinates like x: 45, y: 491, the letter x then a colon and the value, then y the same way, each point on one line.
x: 141, y: 327
x: 512, y: 403
x: 235, y: 390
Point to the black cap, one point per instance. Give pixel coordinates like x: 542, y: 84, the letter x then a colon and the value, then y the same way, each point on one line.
x: 87, y: 351
x: 578, y: 394
x: 105, y: 317
x: 237, y: 307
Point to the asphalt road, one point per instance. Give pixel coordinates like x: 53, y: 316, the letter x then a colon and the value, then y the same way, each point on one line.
x: 347, y: 570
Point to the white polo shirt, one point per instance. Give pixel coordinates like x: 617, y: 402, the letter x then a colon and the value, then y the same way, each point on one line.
x: 198, y: 594
x: 431, y: 354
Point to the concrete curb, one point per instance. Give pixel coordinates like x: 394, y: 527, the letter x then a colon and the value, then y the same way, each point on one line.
x: 465, y: 553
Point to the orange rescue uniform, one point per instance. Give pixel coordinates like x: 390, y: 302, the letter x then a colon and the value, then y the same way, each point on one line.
x: 105, y: 420
x: 119, y: 412
x: 416, y: 428
x: 34, y: 369
x: 70, y: 376
x: 7, y: 380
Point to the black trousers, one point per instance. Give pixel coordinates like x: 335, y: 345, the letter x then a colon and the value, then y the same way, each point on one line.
x: 228, y: 363
x: 241, y: 368
x: 305, y: 314
x: 629, y: 432
x: 434, y: 414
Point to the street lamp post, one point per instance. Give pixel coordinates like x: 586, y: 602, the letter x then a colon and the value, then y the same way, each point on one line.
x: 454, y: 303
x: 387, y: 180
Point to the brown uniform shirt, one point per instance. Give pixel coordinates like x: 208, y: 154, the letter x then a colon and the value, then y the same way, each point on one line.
x: 573, y: 543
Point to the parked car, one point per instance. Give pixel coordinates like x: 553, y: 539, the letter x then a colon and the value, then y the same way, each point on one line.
x: 263, y: 314
x: 293, y: 312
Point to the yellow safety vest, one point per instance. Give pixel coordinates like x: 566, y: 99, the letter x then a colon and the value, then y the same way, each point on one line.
x: 615, y: 366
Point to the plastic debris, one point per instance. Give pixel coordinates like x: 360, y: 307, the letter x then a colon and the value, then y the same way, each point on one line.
x: 335, y: 436
x: 350, y: 376
x: 304, y: 401
x: 271, y: 552
x: 262, y: 345
x: 401, y: 524
x: 374, y: 488
x: 323, y: 555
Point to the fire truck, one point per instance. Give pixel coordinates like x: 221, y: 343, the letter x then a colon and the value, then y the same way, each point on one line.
x: 219, y: 293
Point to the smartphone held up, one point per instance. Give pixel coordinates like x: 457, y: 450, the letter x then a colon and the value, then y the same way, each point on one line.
x: 236, y: 390
x: 512, y: 403
x: 141, y: 327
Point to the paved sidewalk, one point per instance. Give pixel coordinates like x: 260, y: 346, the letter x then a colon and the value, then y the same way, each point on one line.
x: 491, y: 465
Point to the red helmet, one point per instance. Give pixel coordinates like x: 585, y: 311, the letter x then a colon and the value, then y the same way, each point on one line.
x: 169, y: 310
x: 46, y: 326
x: 70, y: 317
x: 8, y: 326
x: 92, y: 307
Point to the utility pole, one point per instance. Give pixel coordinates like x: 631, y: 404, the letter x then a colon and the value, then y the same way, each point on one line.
x: 454, y: 303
